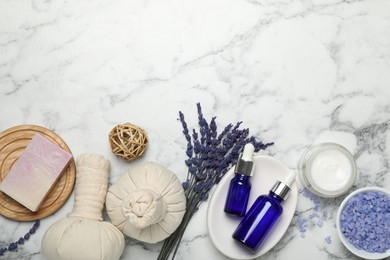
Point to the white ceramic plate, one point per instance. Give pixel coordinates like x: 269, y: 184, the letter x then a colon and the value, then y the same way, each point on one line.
x: 221, y: 226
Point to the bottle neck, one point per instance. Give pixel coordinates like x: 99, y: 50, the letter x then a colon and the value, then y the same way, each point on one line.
x: 244, y: 167
x: 281, y: 190
x: 242, y: 176
x: 275, y: 196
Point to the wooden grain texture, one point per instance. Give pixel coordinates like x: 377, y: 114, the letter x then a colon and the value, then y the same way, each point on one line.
x: 13, y: 142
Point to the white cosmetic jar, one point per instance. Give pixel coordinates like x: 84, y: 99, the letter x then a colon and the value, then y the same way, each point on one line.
x: 327, y: 170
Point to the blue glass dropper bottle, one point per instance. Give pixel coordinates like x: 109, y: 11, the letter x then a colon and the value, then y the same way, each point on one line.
x: 263, y: 215
x: 240, y: 186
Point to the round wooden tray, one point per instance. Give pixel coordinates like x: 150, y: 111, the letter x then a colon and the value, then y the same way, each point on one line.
x: 13, y: 141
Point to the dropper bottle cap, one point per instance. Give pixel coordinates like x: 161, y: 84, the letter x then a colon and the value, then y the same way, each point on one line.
x: 245, y: 163
x: 282, y: 188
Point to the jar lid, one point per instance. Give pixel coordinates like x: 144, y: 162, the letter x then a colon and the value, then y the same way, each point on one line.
x: 327, y: 169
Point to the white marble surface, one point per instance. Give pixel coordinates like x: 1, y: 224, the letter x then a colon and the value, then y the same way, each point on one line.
x: 290, y: 69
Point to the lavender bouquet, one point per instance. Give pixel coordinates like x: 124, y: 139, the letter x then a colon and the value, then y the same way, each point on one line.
x: 210, y: 156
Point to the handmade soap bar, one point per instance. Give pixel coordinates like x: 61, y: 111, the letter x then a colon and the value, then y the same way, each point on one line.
x: 35, y: 172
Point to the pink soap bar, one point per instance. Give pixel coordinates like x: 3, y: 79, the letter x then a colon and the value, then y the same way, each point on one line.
x: 35, y: 172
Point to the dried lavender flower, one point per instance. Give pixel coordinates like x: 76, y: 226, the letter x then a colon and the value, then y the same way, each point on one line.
x: 13, y: 246
x: 210, y: 155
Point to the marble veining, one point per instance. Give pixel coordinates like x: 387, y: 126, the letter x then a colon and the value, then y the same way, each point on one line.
x: 289, y: 69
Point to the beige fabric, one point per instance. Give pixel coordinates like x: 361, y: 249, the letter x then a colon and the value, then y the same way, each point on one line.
x: 93, y: 172
x: 144, y: 207
x: 146, y: 203
x: 83, y: 235
x: 82, y: 238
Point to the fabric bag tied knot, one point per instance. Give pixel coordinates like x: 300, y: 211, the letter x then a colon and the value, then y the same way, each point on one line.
x: 144, y: 207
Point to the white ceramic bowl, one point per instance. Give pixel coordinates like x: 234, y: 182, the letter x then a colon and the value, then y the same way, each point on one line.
x: 347, y: 244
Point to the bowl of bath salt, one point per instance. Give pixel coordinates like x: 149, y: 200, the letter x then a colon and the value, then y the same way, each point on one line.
x: 363, y: 223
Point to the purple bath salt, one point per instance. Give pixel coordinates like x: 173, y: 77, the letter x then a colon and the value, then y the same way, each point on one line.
x: 328, y: 240
x: 314, y: 219
x: 320, y: 223
x: 365, y: 221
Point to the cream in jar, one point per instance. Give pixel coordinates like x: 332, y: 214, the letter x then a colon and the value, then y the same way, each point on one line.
x: 327, y: 169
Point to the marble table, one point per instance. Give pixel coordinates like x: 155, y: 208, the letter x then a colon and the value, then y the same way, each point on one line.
x: 289, y: 69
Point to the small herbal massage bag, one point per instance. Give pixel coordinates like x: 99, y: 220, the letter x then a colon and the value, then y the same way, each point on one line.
x: 146, y: 203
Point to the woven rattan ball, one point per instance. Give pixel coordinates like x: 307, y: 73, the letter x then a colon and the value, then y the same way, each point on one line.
x: 128, y: 141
